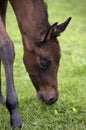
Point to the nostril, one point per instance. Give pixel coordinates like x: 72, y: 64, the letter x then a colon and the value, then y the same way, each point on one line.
x: 51, y: 101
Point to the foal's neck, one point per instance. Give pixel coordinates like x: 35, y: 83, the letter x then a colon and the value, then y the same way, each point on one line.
x: 32, y: 17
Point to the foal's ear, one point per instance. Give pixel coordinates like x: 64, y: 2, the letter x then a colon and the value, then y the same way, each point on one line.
x: 50, y: 32
x: 55, y: 30
x: 61, y: 27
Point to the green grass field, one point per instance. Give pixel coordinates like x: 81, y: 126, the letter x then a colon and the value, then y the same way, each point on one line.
x: 69, y: 113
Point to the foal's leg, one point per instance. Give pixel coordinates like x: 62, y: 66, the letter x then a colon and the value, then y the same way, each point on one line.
x: 1, y: 96
x: 11, y: 100
x: 3, y: 6
x: 7, y: 56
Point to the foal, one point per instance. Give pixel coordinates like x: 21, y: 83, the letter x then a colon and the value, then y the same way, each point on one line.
x: 41, y: 52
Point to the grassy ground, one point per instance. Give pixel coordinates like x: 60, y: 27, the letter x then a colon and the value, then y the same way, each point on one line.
x: 69, y: 113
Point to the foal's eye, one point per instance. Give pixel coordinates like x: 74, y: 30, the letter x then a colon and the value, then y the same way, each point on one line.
x: 44, y: 63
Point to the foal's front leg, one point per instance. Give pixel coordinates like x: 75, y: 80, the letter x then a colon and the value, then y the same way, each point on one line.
x: 7, y: 56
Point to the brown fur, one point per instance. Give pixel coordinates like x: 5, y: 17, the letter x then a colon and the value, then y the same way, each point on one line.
x: 41, y: 52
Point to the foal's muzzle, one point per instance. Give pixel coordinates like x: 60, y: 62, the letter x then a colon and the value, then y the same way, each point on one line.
x: 48, y: 98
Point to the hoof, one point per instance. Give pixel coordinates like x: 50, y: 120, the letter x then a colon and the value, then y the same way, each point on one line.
x: 2, y: 100
x: 16, y: 121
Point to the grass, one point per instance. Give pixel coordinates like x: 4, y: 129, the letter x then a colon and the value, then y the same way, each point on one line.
x: 72, y: 74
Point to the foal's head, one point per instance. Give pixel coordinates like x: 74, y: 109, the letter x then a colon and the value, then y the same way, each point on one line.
x: 42, y: 59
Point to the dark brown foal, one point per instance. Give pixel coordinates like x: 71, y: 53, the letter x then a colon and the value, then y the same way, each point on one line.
x: 41, y: 52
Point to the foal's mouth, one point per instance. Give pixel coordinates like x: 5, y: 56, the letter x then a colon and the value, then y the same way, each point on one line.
x: 49, y: 101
